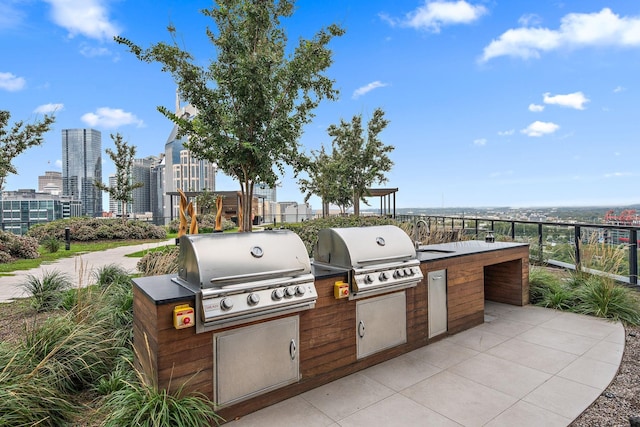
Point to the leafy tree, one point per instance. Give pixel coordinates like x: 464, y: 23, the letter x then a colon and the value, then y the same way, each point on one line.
x: 253, y: 99
x: 123, y: 160
x: 16, y: 139
x: 364, y: 160
x: 325, y: 180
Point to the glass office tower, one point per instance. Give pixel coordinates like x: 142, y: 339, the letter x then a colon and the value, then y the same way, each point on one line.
x: 81, y: 167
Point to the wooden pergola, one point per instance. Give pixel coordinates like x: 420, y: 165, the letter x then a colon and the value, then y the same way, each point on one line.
x: 385, y: 194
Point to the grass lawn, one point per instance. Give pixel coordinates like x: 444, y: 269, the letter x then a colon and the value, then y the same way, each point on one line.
x: 76, y: 248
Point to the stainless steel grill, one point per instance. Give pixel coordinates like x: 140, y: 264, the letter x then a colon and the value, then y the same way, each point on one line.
x: 242, y: 277
x: 378, y: 259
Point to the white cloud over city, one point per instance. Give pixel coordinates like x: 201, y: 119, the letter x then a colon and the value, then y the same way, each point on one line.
x: 434, y: 15
x: 539, y: 128
x: 535, y: 108
x: 111, y: 118
x: 577, y: 30
x: 11, y: 82
x: 89, y: 18
x: 480, y: 142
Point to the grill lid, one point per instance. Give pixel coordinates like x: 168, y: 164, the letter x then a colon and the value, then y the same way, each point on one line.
x: 361, y: 247
x: 220, y: 260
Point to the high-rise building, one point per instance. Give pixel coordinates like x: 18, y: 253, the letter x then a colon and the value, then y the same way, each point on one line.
x: 50, y: 182
x: 21, y: 209
x: 114, y: 205
x: 156, y: 192
x: 141, y: 173
x: 81, y: 167
x: 182, y: 170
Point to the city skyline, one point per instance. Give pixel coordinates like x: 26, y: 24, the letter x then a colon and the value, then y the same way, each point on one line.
x: 490, y: 103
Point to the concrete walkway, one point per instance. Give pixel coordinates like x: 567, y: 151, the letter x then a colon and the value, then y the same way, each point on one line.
x: 525, y: 366
x: 79, y: 267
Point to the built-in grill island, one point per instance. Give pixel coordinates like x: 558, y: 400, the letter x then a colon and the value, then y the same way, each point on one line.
x: 250, y: 320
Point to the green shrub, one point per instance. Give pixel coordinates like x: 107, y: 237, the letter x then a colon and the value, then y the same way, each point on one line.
x: 13, y: 246
x: 205, y: 222
x: 51, y: 244
x: 308, y: 230
x: 47, y: 291
x: 109, y: 274
x: 601, y: 297
x: 88, y: 229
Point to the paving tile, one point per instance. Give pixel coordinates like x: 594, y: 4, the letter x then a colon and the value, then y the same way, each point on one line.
x: 500, y: 374
x: 590, y: 372
x: 444, y: 354
x: 563, y: 397
x: 477, y: 339
x: 524, y: 414
x: 496, y: 309
x: 397, y: 410
x: 559, y: 340
x: 618, y: 336
x: 288, y: 413
x: 581, y: 325
x: 534, y: 356
x: 402, y: 371
x: 506, y: 327
x: 460, y: 399
x: 606, y: 351
x: 345, y: 396
x: 531, y: 314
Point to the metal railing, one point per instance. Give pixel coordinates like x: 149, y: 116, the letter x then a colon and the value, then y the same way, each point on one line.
x: 543, y: 236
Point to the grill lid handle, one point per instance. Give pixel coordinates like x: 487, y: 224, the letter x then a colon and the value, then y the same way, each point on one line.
x: 254, y: 276
x: 378, y: 260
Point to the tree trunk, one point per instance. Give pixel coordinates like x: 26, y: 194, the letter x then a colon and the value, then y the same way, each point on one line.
x: 245, y: 223
x: 356, y: 204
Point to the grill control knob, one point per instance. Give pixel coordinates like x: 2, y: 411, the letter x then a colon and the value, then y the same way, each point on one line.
x: 409, y: 272
x: 277, y: 294
x: 290, y: 291
x: 300, y: 290
x: 368, y: 279
x: 383, y: 276
x: 226, y: 304
x: 253, y: 299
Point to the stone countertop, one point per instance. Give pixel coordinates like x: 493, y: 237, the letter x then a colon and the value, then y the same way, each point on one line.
x: 162, y: 290
x: 455, y: 249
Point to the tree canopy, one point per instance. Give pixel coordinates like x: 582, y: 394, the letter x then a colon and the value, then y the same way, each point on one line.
x: 253, y: 99
x: 356, y: 162
x: 122, y: 158
x: 326, y: 180
x: 16, y: 139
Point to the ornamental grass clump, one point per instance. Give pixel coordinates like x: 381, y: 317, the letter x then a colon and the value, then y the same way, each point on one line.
x: 547, y: 290
x: 601, y: 297
x: 48, y: 291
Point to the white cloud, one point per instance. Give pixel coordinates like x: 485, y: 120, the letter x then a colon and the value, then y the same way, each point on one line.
x: 539, y: 128
x: 58, y: 164
x: 110, y: 118
x: 89, y: 18
x: 506, y: 132
x: 617, y: 174
x: 480, y: 141
x: 619, y: 89
x: 536, y: 108
x: 11, y: 82
x: 572, y: 100
x: 49, y: 108
x: 529, y: 20
x: 368, y: 88
x: 576, y: 30
x: 436, y: 14
x: 92, y: 51
x: 501, y: 174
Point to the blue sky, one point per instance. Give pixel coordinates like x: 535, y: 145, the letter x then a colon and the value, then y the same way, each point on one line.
x: 491, y: 103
